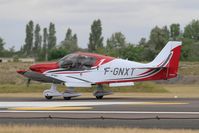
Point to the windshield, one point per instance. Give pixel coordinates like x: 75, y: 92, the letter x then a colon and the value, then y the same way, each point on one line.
x: 76, y: 62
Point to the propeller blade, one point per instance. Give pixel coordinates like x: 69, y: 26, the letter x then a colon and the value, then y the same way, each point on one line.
x: 28, y: 82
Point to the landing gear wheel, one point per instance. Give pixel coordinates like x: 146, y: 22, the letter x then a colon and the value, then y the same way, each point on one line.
x: 99, y: 97
x: 48, y: 97
x: 67, y: 98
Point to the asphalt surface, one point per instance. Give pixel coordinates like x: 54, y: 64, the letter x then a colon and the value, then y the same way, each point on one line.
x: 168, y: 113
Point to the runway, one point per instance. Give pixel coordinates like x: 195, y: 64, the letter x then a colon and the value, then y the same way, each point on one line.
x: 108, y: 112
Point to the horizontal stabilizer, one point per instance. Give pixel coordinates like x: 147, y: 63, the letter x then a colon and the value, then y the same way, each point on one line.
x: 77, y: 84
x: 121, y: 84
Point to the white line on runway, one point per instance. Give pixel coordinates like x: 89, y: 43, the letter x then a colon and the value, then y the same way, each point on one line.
x: 65, y: 104
x: 100, y: 112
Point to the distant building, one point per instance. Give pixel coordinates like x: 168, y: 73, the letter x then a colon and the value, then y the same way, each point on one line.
x: 3, y: 60
x: 26, y: 59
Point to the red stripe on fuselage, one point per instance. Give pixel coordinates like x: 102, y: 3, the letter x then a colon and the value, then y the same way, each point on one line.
x: 72, y: 72
x: 146, y: 72
x: 160, y: 75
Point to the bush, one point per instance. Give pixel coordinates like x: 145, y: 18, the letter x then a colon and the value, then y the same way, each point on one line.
x: 57, y: 53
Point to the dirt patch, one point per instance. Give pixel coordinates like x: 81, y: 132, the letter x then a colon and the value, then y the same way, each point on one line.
x: 182, y: 79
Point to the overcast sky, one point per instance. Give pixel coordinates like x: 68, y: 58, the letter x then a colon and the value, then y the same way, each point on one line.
x: 134, y: 18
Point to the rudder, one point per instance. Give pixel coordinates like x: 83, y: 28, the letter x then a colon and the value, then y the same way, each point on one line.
x: 172, y: 66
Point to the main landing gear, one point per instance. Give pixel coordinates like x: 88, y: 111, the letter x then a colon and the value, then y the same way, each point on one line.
x: 53, y: 92
x: 70, y: 93
x: 100, y: 92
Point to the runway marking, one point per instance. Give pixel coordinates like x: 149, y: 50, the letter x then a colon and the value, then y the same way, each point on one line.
x: 69, y: 104
x: 101, y: 112
x: 49, y: 108
x: 162, y: 103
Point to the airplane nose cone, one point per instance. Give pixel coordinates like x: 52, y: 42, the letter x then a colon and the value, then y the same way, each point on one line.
x: 33, y: 67
x: 43, y: 67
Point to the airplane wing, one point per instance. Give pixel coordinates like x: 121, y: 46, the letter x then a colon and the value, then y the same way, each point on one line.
x: 73, y: 82
x: 39, y: 77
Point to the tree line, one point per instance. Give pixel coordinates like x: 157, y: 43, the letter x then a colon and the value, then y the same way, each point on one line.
x: 42, y: 43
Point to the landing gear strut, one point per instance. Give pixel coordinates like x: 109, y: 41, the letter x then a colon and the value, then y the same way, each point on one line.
x: 100, y: 92
x: 53, y: 92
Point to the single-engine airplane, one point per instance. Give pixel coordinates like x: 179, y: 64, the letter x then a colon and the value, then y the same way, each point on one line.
x: 82, y: 69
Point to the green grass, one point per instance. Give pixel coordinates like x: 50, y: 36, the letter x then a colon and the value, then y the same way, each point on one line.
x: 172, y: 91
x: 39, y: 87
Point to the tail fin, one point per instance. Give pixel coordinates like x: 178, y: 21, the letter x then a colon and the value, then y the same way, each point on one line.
x: 169, y: 58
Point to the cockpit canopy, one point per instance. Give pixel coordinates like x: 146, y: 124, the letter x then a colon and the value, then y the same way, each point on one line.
x: 77, y: 62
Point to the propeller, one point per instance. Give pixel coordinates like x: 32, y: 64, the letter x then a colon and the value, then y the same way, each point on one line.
x: 28, y: 82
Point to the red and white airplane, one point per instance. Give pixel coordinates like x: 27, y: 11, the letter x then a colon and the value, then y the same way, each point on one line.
x: 86, y: 69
